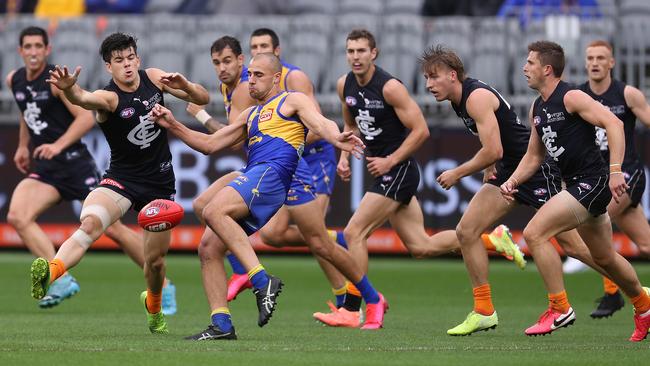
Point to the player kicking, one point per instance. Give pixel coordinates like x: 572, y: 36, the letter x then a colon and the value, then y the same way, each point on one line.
x: 628, y: 104
x: 504, y: 139
x: 62, y: 169
x: 140, y: 170
x: 564, y: 119
x: 275, y: 133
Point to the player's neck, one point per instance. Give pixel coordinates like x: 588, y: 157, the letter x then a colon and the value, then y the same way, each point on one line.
x: 600, y: 87
x: 364, y: 79
x: 270, y: 95
x: 456, y: 94
x: 548, y: 88
x: 31, y: 75
x: 129, y: 88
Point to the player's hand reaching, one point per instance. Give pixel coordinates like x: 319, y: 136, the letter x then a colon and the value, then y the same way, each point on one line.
x: 343, y: 169
x: 508, y: 189
x: 163, y: 116
x: 61, y: 77
x: 193, y: 109
x: 347, y: 141
x: 379, y: 166
x: 174, y: 80
x: 22, y: 160
x: 617, y: 185
x: 448, y: 179
x: 47, y: 151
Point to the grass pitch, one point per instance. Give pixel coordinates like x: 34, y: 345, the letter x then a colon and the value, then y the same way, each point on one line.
x: 105, y: 325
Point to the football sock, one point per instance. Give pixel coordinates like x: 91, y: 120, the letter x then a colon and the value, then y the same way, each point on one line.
x: 559, y: 302
x: 340, y: 239
x: 57, y: 269
x: 369, y: 294
x: 339, y: 293
x: 352, y: 298
x: 221, y: 319
x: 483, y: 300
x: 258, y: 277
x: 610, y: 287
x: 236, y: 265
x: 487, y: 243
x: 153, y: 302
x: 641, y: 302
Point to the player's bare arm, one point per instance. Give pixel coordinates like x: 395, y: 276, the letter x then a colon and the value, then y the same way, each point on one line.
x: 411, y: 117
x: 21, y: 156
x: 638, y: 104
x: 208, y: 121
x: 595, y: 113
x: 82, y: 123
x: 99, y: 100
x: 343, y: 166
x: 177, y: 85
x: 199, y: 141
x: 300, y: 104
x: 481, y: 105
x: 529, y: 163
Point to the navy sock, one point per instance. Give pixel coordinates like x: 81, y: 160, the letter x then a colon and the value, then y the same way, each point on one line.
x: 236, y: 266
x: 369, y: 294
x: 223, y: 321
x: 340, y: 240
x: 260, y: 279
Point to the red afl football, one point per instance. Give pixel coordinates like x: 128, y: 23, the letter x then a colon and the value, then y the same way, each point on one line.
x: 160, y: 215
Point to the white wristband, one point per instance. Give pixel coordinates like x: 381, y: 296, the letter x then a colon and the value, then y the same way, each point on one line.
x: 203, y: 116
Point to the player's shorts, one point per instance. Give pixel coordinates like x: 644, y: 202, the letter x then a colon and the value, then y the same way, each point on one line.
x: 264, y: 193
x: 400, y: 183
x: 592, y: 191
x: 634, y: 174
x: 301, y: 190
x: 322, y: 162
x: 140, y: 194
x: 73, y: 176
x: 537, y: 190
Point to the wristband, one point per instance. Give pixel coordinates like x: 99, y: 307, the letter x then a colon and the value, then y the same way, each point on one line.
x: 616, y: 172
x: 515, y: 181
x: 203, y: 116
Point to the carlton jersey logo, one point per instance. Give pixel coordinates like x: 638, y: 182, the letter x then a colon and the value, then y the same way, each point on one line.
x: 351, y: 101
x: 266, y: 115
x: 143, y: 134
x: 32, y: 116
x: 127, y: 112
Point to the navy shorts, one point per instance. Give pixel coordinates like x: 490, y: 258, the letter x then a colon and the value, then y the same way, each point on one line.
x: 537, y: 190
x: 592, y: 191
x: 73, y: 176
x: 140, y: 194
x: 400, y: 183
x: 634, y: 174
x: 301, y: 190
x: 264, y: 193
x: 322, y: 162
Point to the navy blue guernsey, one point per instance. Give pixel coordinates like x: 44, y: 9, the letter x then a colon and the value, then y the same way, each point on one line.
x: 139, y: 147
x: 569, y: 140
x: 381, y: 129
x: 614, y: 99
x: 46, y: 116
x: 514, y: 135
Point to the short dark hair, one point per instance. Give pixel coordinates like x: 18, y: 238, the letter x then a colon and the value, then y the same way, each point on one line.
x: 226, y: 41
x: 362, y: 33
x: 33, y: 31
x: 550, y: 53
x: 440, y: 55
x: 117, y: 42
x: 275, y: 40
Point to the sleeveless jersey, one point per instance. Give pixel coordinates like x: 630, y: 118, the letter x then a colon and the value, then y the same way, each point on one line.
x: 514, y: 135
x: 381, y: 129
x: 274, y: 138
x: 227, y: 97
x: 287, y: 68
x: 139, y: 147
x: 568, y: 139
x: 614, y: 99
x: 46, y: 116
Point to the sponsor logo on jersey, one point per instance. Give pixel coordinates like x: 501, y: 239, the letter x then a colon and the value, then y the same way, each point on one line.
x: 127, y: 112
x: 20, y: 96
x: 540, y: 192
x: 351, y: 101
x: 537, y: 120
x: 266, y: 115
x: 111, y: 182
x: 167, y: 165
x: 386, y: 178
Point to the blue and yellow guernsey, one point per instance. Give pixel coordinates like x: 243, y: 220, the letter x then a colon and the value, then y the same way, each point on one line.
x: 274, y: 138
x: 227, y: 97
x: 287, y: 68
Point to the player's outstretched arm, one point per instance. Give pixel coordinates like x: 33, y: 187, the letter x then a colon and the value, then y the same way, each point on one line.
x: 99, y: 100
x: 301, y: 105
x: 200, y: 141
x: 201, y: 115
x: 177, y: 85
x: 635, y: 99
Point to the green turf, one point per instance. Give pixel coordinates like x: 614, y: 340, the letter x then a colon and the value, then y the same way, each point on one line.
x: 104, y: 323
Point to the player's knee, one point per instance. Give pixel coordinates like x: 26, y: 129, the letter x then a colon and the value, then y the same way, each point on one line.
x: 156, y: 263
x: 92, y: 226
x: 319, y: 246
x: 351, y: 233
x: 532, y: 236
x: 466, y: 233
x: 17, y: 220
x: 212, y: 213
x: 198, y: 204
x: 210, y: 248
